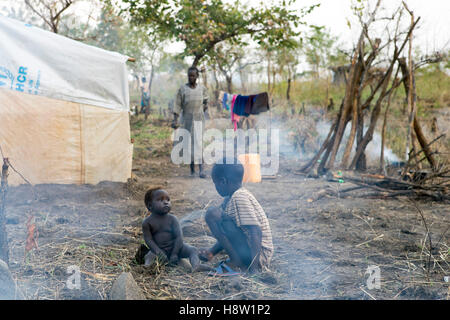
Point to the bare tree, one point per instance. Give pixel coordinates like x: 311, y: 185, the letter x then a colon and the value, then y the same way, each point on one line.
x: 50, y: 11
x: 353, y: 107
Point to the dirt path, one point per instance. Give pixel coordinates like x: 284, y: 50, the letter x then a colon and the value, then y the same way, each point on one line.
x: 323, y: 248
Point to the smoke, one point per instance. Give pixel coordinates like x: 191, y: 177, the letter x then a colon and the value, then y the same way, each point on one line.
x: 373, y: 148
x: 300, y: 137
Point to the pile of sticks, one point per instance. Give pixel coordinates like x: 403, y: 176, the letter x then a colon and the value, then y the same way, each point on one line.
x: 434, y: 185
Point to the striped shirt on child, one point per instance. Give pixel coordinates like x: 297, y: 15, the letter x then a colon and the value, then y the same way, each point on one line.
x: 245, y: 210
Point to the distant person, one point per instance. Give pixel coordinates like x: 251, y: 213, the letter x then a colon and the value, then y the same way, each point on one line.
x: 162, y: 233
x: 434, y: 126
x: 192, y: 102
x: 145, y: 97
x: 330, y: 106
x: 239, y: 225
x: 170, y: 106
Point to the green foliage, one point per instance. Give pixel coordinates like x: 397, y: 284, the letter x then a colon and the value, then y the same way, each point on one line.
x: 321, y: 50
x: 433, y: 87
x: 312, y: 92
x: 146, y: 134
x: 202, y: 24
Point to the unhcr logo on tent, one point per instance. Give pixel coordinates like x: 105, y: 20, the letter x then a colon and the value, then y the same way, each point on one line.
x: 22, y: 83
x: 6, y: 77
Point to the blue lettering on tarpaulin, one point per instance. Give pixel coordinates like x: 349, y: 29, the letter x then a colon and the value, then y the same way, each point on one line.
x: 2, y: 76
x: 5, y: 77
x: 19, y: 87
x: 38, y: 82
x: 21, y: 81
x: 30, y: 86
x: 21, y: 78
x: 23, y: 70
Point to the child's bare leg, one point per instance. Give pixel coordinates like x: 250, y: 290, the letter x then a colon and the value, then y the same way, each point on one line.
x: 190, y: 252
x: 239, y: 243
x: 230, y: 237
x: 149, y: 258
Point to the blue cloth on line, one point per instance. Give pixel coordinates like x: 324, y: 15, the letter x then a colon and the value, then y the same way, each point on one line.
x: 239, y: 105
x: 224, y: 101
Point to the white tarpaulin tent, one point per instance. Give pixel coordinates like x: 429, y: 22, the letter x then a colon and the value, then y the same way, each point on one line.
x: 63, y: 108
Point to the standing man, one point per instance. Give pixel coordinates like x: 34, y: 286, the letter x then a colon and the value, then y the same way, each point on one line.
x: 145, y: 97
x: 192, y: 101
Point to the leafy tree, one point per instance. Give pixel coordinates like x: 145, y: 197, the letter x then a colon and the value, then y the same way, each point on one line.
x: 225, y: 57
x: 321, y: 50
x: 287, y: 60
x: 202, y: 24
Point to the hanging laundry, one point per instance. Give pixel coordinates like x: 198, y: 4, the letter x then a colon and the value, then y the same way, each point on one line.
x: 260, y: 103
x: 224, y: 101
x: 239, y: 105
x: 234, y: 117
x: 249, y: 104
x: 228, y: 101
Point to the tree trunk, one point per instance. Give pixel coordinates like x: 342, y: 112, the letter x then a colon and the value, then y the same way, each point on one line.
x: 196, y: 60
x: 288, y: 90
x: 268, y: 73
x: 361, y: 163
x: 362, y: 68
x: 411, y: 93
x: 351, y: 138
x: 349, y: 92
x: 416, y: 124
x: 374, y: 117
x: 383, y: 134
x: 229, y: 83
x: 325, y: 145
x: 204, y: 77
x: 242, y: 77
x: 152, y: 74
x: 216, y: 89
x: 424, y: 143
x: 273, y: 81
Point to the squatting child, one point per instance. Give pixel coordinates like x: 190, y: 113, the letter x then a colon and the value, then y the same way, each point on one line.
x: 240, y: 224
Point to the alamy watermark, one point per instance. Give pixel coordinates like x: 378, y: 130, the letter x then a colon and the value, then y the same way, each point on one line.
x: 374, y: 279
x: 74, y: 280
x: 212, y: 146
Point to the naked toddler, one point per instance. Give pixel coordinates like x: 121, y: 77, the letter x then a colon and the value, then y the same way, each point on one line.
x: 162, y: 233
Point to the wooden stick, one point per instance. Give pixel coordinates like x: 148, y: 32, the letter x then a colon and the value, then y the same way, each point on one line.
x: 4, y: 248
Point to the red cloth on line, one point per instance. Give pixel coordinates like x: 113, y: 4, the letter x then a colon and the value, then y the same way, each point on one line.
x: 234, y: 117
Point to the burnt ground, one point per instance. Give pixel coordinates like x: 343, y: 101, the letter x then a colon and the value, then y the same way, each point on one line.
x: 323, y: 248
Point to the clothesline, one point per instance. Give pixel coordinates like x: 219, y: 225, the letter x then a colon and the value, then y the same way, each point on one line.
x: 240, y: 105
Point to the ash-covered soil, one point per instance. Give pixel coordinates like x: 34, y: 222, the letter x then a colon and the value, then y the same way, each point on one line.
x: 323, y: 247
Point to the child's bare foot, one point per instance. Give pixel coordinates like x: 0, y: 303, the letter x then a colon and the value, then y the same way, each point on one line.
x: 205, y: 255
x: 202, y: 267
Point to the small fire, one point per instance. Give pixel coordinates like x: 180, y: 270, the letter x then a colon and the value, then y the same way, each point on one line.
x: 32, y: 235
